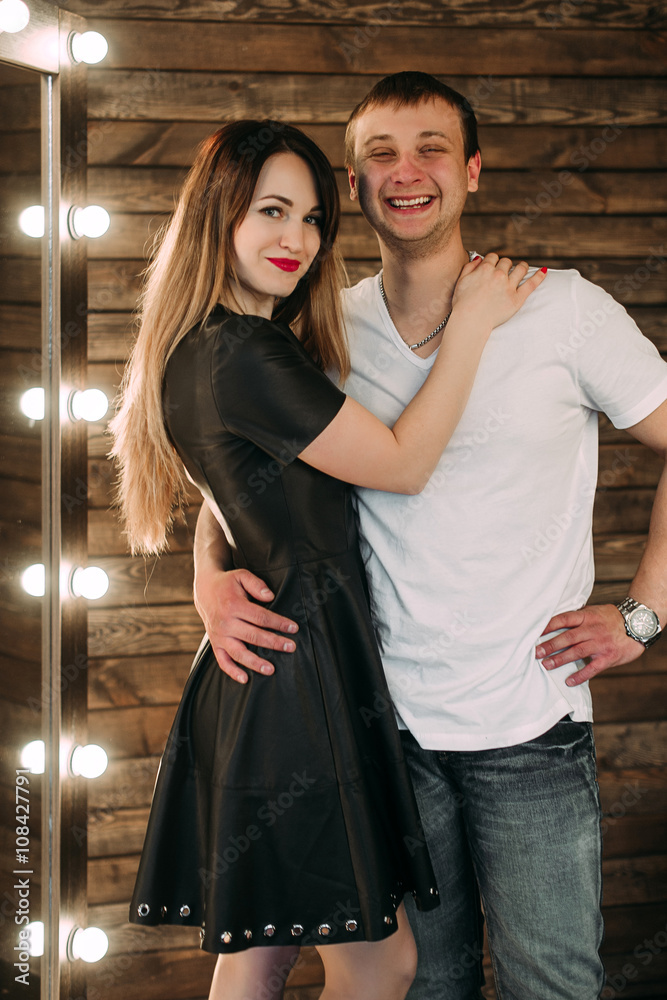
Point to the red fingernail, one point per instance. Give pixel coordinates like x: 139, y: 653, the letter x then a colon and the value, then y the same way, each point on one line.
x: 543, y: 270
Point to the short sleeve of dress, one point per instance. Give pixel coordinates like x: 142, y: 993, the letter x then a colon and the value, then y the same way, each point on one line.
x: 268, y: 390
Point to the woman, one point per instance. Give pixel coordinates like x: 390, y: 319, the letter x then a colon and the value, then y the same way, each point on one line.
x: 283, y: 813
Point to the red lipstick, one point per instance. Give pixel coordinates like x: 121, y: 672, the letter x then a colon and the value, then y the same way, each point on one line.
x: 285, y: 263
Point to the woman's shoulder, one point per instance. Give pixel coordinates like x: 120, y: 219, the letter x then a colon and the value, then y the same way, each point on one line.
x: 236, y: 329
x: 248, y: 340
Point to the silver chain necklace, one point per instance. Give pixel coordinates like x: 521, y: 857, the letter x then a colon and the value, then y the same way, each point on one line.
x: 439, y: 327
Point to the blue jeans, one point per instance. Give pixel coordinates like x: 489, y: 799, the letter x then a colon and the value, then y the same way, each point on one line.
x: 520, y: 826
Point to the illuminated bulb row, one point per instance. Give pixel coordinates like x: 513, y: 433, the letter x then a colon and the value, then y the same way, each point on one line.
x: 88, y: 47
x: 92, y: 221
x: 82, y: 404
x: 90, y: 582
x: 89, y: 761
x: 84, y: 47
x: 14, y: 16
x: 31, y: 221
x: 89, y: 944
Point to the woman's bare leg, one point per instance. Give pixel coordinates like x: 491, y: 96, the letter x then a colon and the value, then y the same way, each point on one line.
x: 255, y: 974
x: 371, y: 970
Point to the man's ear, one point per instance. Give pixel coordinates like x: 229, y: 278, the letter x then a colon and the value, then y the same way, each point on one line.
x: 351, y: 176
x: 474, y: 169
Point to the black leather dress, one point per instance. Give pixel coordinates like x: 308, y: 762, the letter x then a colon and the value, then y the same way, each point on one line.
x: 283, y: 812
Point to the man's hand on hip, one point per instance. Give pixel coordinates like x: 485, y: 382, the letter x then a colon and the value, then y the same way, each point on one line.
x: 232, y: 619
x: 596, y: 633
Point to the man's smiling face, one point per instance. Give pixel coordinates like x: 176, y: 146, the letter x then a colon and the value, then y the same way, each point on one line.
x: 411, y: 176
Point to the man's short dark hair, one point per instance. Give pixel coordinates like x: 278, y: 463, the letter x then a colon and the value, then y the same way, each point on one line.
x: 410, y: 88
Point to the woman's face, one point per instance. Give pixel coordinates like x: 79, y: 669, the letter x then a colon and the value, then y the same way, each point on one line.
x: 280, y: 236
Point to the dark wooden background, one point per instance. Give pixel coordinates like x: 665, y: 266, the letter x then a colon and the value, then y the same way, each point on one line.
x: 572, y: 104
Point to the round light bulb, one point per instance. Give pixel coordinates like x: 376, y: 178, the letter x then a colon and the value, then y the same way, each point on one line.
x: 35, y: 938
x: 88, y: 404
x: 89, y: 47
x: 31, y: 221
x: 32, y: 403
x: 89, y: 761
x: 90, y: 944
x: 91, y: 582
x: 33, y: 580
x: 14, y: 16
x: 92, y: 222
x: 33, y: 756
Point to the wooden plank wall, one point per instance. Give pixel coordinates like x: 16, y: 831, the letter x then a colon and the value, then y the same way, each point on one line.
x: 571, y: 99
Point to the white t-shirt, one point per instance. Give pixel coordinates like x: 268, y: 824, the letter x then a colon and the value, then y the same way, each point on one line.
x: 465, y: 575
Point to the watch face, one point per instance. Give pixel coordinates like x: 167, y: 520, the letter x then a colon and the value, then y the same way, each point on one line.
x: 643, y: 623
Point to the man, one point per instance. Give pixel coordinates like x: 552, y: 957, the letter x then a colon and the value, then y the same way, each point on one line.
x: 467, y: 576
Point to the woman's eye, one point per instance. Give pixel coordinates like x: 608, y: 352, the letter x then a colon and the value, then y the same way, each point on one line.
x: 313, y: 220
x: 272, y: 211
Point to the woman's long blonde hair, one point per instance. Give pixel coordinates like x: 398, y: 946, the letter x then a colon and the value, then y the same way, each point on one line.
x: 193, y: 270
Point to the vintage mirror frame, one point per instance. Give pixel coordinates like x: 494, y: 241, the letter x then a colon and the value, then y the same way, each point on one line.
x: 42, y: 46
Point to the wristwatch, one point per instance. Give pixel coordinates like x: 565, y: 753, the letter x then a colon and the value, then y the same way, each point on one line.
x: 641, y: 623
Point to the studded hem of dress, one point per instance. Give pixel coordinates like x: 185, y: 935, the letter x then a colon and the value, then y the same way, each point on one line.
x: 254, y: 846
x: 341, y: 926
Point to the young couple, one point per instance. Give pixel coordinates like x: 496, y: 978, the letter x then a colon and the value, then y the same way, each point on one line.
x: 284, y: 812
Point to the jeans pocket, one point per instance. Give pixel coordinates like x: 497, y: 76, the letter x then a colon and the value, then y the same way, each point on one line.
x: 567, y: 735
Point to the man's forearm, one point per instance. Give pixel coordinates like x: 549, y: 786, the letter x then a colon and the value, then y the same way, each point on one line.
x: 211, y: 548
x: 228, y: 599
x: 650, y: 583
x: 596, y: 633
